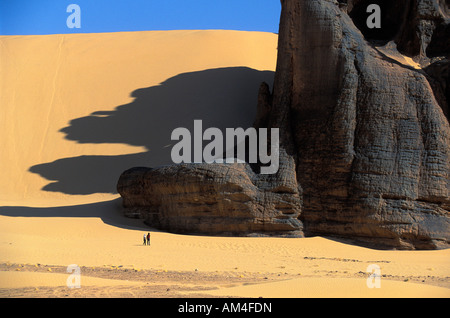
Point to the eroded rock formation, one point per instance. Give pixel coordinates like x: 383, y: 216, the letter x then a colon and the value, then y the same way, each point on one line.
x: 364, y: 137
x: 225, y: 199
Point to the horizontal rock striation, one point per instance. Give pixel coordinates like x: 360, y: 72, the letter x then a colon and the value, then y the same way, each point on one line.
x: 220, y: 199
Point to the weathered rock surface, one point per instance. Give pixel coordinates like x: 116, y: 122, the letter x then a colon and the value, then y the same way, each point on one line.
x: 211, y: 199
x: 364, y: 137
x: 372, y: 145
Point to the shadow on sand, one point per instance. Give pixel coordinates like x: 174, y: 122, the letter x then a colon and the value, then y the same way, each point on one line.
x: 108, y: 211
x: 225, y: 97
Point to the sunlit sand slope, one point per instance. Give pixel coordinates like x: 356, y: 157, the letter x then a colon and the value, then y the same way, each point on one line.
x: 77, y: 110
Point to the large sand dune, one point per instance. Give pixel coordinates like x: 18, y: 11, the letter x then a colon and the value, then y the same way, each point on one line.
x: 77, y: 110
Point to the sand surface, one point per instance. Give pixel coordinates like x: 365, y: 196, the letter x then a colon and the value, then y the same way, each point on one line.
x: 77, y: 110
x: 109, y: 246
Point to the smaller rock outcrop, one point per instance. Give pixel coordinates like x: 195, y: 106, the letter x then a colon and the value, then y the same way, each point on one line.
x: 220, y: 199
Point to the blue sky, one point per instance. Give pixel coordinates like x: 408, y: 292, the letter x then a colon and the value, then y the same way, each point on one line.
x: 23, y: 17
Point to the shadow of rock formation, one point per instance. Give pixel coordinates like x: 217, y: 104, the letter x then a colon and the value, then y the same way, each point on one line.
x: 224, y: 97
x: 108, y: 211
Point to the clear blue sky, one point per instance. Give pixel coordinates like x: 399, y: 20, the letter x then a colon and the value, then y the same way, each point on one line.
x: 22, y: 17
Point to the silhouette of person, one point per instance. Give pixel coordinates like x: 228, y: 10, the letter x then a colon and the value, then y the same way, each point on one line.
x: 148, y: 238
x: 144, y: 240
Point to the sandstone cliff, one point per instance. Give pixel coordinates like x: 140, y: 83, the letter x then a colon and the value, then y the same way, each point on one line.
x: 364, y: 137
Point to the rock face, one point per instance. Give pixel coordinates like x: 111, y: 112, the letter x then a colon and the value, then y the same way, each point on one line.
x: 225, y: 199
x: 364, y: 137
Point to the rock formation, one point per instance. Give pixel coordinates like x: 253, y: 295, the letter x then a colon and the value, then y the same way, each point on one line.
x: 223, y: 199
x: 364, y: 137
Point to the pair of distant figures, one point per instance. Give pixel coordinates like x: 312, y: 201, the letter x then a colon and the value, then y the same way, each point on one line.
x: 147, y: 239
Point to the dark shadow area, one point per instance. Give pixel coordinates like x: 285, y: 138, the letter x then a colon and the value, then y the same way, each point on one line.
x: 439, y: 79
x: 109, y: 212
x: 440, y: 41
x: 393, y: 14
x: 225, y: 97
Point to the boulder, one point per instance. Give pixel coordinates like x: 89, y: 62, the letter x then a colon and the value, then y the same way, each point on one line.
x: 218, y: 199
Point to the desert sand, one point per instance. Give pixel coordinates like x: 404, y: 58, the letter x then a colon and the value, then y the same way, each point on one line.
x: 77, y: 110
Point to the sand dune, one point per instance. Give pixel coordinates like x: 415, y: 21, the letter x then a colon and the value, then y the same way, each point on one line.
x: 77, y: 110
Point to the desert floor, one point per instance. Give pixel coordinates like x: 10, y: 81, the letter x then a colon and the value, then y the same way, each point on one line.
x: 37, y: 244
x: 77, y: 110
